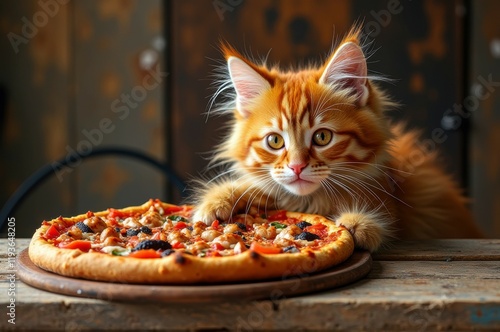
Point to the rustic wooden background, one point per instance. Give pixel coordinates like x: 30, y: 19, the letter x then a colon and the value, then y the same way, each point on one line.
x: 95, y: 60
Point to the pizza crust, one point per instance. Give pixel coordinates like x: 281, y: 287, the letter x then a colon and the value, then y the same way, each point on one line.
x: 181, y: 268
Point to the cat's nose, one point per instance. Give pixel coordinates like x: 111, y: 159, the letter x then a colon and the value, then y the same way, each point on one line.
x: 297, y: 168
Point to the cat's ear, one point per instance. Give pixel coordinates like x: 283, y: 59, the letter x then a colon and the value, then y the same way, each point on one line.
x: 247, y: 82
x: 347, y: 69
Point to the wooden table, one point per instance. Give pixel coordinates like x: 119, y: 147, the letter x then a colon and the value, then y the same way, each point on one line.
x: 431, y: 285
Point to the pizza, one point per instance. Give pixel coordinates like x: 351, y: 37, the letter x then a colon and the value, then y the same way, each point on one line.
x: 160, y: 243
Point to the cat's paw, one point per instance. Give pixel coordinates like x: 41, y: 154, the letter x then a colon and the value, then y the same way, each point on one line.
x: 210, y: 211
x: 368, y: 233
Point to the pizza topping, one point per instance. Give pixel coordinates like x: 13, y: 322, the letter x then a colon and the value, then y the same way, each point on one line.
x: 52, y: 232
x: 178, y: 245
x: 241, y: 226
x: 210, y: 234
x: 146, y: 230
x: 136, y: 231
x: 277, y: 216
x: 96, y: 224
x: 176, y: 236
x: 139, y: 235
x: 74, y: 233
x: 278, y: 225
x: 83, y: 227
x: 307, y: 236
x: 226, y: 240
x: 108, y: 232
x: 133, y: 231
x: 153, y: 244
x: 112, y: 241
x: 115, y: 250
x: 265, y: 231
x: 78, y: 244
x: 145, y: 253
x: 198, y: 246
x: 259, y: 248
x: 131, y: 222
x: 198, y: 228
x: 287, y: 236
x: 151, y: 218
x: 303, y: 224
x: 291, y: 249
x: 239, y: 248
x: 231, y: 228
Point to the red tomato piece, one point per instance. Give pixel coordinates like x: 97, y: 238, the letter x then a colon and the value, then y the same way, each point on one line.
x: 77, y: 244
x: 180, y: 225
x: 213, y: 254
x: 217, y: 246
x: 319, y: 227
x: 279, y: 215
x: 145, y: 253
x: 258, y: 248
x: 52, y: 232
x: 172, y: 209
x: 215, y: 223
x: 178, y: 245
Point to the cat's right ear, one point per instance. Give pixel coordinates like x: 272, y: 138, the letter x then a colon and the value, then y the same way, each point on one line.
x: 347, y: 69
x: 247, y: 82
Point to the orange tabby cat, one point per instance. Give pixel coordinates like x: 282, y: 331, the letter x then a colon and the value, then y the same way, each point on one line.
x: 318, y: 141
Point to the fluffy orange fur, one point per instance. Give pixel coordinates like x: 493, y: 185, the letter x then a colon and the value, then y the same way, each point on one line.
x: 318, y: 140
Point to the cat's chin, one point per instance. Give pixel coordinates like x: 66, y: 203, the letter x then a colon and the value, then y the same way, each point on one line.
x: 301, y: 187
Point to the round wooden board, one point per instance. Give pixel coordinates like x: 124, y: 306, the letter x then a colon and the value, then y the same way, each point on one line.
x: 354, y: 268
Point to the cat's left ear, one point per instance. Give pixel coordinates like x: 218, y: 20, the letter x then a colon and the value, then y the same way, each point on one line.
x: 247, y: 82
x: 347, y: 69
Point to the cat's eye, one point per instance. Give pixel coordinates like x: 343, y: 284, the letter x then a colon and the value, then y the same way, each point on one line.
x: 322, y: 137
x: 275, y: 141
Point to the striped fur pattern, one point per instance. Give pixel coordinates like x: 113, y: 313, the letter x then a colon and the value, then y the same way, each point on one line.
x: 317, y: 140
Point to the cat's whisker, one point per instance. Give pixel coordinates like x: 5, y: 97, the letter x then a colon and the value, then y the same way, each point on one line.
x: 257, y: 189
x: 330, y: 190
x: 344, y: 187
x: 364, y: 188
x: 253, y: 188
x: 220, y: 175
x: 360, y: 173
x: 379, y: 187
x: 379, y: 167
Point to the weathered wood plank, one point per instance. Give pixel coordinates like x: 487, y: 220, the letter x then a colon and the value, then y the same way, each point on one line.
x: 435, y: 270
x: 442, y: 250
x: 370, y: 304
